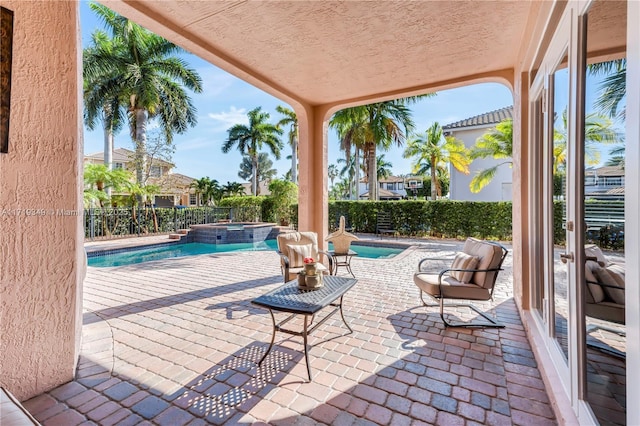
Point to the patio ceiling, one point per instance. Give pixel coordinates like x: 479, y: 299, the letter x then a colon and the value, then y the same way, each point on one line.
x: 325, y: 52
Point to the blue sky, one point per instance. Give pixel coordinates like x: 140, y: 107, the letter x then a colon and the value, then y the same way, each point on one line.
x: 226, y: 100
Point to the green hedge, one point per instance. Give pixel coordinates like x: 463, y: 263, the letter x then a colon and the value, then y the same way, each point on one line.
x: 249, y: 209
x: 442, y: 218
x: 445, y: 219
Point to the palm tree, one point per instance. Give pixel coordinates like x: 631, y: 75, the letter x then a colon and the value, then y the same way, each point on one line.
x: 231, y: 189
x: 433, y: 150
x: 98, y: 177
x: 382, y: 125
x: 496, y: 143
x: 110, y: 111
x: 332, y: 172
x: 250, y: 139
x: 351, y: 172
x: 291, y: 120
x: 139, y: 71
x: 213, y: 192
x: 207, y: 190
x: 598, y: 130
x: 263, y: 172
x: 613, y: 88
x: 383, y: 167
x: 617, y: 156
x: 200, y: 186
x: 348, y: 125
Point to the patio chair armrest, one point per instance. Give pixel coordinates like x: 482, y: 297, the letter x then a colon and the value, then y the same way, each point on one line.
x: 330, y: 258
x: 284, y: 264
x: 284, y: 259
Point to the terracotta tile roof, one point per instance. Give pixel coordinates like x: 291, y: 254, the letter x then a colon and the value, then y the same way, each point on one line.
x: 123, y: 155
x: 485, y: 119
x: 606, y: 171
x: 389, y: 179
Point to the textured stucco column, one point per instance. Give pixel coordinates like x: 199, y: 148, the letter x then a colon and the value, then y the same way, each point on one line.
x: 41, y: 241
x: 313, y: 210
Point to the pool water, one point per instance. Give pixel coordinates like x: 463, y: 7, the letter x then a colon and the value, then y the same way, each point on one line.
x: 130, y: 257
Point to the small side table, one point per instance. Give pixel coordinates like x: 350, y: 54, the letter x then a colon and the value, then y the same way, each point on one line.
x: 342, y: 259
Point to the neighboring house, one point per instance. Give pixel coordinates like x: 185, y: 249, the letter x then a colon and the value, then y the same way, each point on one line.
x: 390, y: 188
x: 468, y: 131
x: 604, y: 182
x: 175, y: 188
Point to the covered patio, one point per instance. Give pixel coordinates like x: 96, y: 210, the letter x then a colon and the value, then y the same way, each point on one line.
x: 176, y: 342
x: 318, y: 57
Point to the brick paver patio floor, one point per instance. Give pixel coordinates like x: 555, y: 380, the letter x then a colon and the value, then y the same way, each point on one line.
x: 175, y: 342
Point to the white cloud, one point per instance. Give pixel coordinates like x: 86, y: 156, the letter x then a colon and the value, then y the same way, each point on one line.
x: 214, y: 82
x: 226, y: 119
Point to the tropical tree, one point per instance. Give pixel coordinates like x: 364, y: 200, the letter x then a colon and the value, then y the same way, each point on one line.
x: 250, y: 139
x: 431, y: 151
x: 283, y: 194
x: 207, y: 190
x: 138, y: 70
x: 350, y: 170
x: 348, y: 126
x: 496, y: 143
x: 340, y: 190
x: 332, y: 172
x: 598, y: 130
x: 264, y: 170
x: 613, y: 88
x: 617, y: 157
x: 110, y: 111
x: 290, y: 120
x: 200, y: 186
x: 231, y: 189
x: 98, y: 177
x: 380, y: 125
x: 383, y: 167
x: 213, y: 192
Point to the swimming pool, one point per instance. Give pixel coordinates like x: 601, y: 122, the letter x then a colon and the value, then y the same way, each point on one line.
x: 165, y: 251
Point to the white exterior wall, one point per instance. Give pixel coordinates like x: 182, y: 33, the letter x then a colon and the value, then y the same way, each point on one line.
x: 500, y: 187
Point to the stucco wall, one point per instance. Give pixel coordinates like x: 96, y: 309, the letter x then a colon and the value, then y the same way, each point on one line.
x: 494, y: 191
x: 42, y: 261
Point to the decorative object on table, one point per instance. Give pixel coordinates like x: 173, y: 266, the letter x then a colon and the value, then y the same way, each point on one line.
x: 6, y: 47
x: 314, y: 281
x: 341, y: 239
x: 310, y: 266
x: 313, y: 276
x: 302, y: 279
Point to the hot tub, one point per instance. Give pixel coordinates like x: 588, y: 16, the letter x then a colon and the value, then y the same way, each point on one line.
x: 230, y: 233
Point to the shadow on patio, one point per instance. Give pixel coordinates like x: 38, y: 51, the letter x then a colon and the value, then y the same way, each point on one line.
x: 190, y: 356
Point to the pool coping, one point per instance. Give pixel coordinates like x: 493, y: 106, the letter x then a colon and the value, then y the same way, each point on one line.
x: 99, y: 251
x: 93, y: 252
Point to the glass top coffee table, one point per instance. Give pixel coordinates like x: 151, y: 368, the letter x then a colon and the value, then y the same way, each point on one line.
x: 290, y: 298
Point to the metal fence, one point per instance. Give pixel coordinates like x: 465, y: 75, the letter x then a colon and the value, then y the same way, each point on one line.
x: 108, y: 223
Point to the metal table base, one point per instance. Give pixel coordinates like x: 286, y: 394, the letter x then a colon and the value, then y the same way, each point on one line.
x: 289, y: 298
